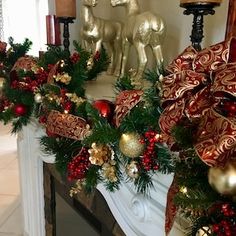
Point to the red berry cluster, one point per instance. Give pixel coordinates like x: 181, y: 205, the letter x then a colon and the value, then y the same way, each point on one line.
x: 4, y: 104
x: 227, y: 226
x: 75, y: 57
x: 149, y: 160
x: 29, y: 83
x: 66, y: 104
x: 78, y: 167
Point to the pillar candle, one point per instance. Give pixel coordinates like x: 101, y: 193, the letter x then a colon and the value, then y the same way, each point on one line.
x: 66, y: 8
x: 200, y: 1
x: 53, y: 30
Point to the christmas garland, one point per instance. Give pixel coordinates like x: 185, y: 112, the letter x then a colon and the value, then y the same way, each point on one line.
x: 182, y: 123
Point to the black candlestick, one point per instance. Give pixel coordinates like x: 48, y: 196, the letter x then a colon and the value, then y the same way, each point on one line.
x: 198, y: 10
x: 66, y: 21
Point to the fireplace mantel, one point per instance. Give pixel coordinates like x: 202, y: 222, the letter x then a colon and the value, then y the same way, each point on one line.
x: 137, y: 215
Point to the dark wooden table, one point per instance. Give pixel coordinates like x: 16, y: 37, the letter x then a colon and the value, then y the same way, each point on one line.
x: 92, y: 208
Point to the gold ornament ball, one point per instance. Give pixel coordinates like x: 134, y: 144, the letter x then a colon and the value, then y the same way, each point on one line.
x: 132, y: 170
x: 130, y: 145
x: 223, y: 180
x: 2, y: 82
x: 38, y: 98
x: 90, y: 63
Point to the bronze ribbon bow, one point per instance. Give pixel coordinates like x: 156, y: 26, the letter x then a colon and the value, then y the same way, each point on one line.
x: 125, y: 101
x: 196, y: 85
x: 197, y: 82
x: 67, y: 125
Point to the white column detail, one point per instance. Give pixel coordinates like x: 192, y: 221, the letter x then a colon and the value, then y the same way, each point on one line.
x: 31, y: 180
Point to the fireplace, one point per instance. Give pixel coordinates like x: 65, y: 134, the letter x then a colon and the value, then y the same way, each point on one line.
x: 129, y: 213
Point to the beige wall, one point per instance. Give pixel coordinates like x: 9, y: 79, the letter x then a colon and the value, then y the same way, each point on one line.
x: 178, y: 25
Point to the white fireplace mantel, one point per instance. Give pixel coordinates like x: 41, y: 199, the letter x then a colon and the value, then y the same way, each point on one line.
x: 137, y: 215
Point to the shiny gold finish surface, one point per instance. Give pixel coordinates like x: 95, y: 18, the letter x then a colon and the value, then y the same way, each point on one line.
x: 130, y: 144
x: 2, y: 82
x: 97, y: 31
x: 141, y: 30
x: 223, y: 180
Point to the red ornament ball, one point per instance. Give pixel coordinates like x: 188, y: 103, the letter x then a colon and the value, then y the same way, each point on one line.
x: 19, y: 109
x: 105, y: 108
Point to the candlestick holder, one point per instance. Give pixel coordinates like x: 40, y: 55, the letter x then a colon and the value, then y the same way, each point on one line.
x: 66, y: 34
x: 198, y: 10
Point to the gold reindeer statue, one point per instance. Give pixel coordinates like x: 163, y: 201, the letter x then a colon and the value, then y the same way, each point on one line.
x: 141, y: 30
x: 97, y: 31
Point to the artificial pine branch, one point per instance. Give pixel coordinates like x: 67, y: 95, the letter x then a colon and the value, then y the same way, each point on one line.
x: 196, y: 199
x: 164, y: 159
x: 123, y: 83
x: 92, y: 179
x: 153, y: 75
x: 16, y: 51
x: 18, y: 123
x: 50, y: 88
x: 140, y: 119
x: 143, y: 183
x: 64, y: 149
x: 112, y: 186
x: 52, y: 56
x: 100, y: 64
x: 102, y: 133
x: 184, y: 133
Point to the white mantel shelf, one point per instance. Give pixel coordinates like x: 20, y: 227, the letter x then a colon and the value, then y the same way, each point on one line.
x: 137, y: 215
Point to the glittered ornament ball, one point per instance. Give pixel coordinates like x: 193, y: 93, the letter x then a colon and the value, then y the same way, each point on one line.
x: 2, y: 82
x: 105, y: 108
x: 130, y: 144
x: 223, y: 180
x: 132, y: 170
x: 38, y: 98
x: 19, y: 109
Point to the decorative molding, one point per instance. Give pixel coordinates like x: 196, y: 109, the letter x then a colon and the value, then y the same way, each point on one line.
x: 138, y: 214
x: 31, y: 182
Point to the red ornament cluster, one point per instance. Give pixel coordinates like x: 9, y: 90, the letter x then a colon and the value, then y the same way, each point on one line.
x: 29, y: 83
x: 227, y: 225
x: 75, y: 57
x: 78, y: 167
x: 149, y: 158
x: 4, y: 104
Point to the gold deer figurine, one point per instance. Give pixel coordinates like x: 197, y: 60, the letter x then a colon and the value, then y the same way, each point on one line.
x: 97, y: 31
x: 141, y: 30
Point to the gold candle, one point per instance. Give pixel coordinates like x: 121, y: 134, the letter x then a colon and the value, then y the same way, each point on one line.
x: 66, y: 8
x: 200, y: 1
